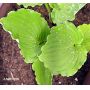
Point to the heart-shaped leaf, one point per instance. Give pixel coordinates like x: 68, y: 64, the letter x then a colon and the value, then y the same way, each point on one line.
x: 30, y: 29
x: 63, y: 52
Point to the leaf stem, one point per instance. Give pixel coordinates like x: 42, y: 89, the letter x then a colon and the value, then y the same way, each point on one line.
x: 49, y: 10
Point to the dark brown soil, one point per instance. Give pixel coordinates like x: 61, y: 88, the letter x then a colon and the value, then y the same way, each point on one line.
x: 12, y: 64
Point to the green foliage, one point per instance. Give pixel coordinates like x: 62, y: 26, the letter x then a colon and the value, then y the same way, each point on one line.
x: 63, y: 52
x: 64, y: 11
x: 85, y: 29
x: 30, y: 29
x: 29, y: 4
x: 44, y: 76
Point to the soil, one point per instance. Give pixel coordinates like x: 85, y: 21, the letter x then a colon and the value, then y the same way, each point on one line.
x: 13, y: 69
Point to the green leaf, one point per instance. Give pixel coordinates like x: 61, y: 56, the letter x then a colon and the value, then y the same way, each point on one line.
x: 43, y: 75
x: 85, y: 30
x: 30, y: 29
x: 29, y: 4
x: 63, y: 53
x: 62, y: 11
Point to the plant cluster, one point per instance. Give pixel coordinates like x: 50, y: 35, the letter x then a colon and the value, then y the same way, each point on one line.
x: 61, y: 49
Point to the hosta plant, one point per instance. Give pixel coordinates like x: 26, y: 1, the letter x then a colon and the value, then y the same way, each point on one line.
x: 61, y: 49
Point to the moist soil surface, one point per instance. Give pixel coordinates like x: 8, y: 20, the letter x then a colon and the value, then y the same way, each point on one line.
x: 13, y: 69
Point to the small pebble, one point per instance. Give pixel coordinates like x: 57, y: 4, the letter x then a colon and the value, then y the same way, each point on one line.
x: 60, y: 82
x: 76, y: 79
